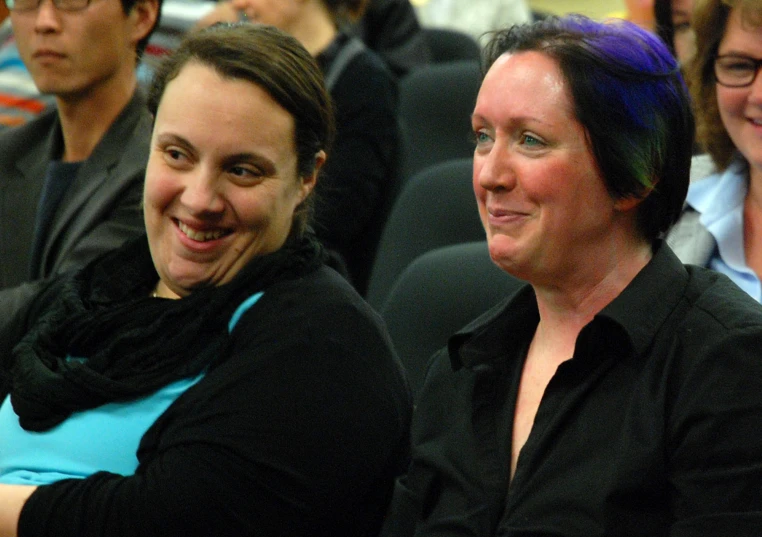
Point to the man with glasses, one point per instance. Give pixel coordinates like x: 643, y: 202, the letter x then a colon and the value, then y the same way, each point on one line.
x: 71, y: 179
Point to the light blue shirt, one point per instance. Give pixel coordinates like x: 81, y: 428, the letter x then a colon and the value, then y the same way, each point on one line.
x: 719, y: 198
x: 105, y: 438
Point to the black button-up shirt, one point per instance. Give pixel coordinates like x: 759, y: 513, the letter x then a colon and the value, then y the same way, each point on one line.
x: 653, y: 427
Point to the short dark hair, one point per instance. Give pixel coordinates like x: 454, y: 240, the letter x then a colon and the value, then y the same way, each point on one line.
x: 710, y: 18
x: 344, y: 11
x: 665, y: 28
x: 127, y: 6
x: 277, y: 63
x: 630, y: 98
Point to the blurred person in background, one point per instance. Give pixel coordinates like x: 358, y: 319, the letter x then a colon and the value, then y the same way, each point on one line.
x: 475, y: 17
x: 672, y: 20
x: 721, y: 227
x: 71, y: 179
x: 391, y: 29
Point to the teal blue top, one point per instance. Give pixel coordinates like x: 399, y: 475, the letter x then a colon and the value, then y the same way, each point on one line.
x: 105, y: 438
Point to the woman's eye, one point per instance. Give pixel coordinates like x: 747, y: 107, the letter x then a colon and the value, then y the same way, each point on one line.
x: 175, y: 156
x: 244, y: 172
x: 481, y: 137
x: 532, y: 141
x: 740, y: 67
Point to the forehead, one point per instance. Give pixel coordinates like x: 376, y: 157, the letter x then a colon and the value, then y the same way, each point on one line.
x: 224, y: 112
x: 741, y: 35
x: 526, y: 81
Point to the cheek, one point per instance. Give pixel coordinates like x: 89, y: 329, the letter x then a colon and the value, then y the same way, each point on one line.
x: 21, y: 39
x: 730, y: 102
x: 254, y: 209
x: 160, y: 188
x: 480, y: 194
x: 479, y: 191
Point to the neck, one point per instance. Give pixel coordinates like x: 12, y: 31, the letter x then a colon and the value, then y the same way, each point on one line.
x: 315, y: 29
x: 566, y: 308
x: 85, y: 117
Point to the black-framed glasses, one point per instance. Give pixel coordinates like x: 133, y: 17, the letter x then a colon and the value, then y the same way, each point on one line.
x: 31, y: 5
x: 736, y: 71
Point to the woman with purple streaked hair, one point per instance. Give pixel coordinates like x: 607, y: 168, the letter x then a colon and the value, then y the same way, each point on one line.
x: 620, y: 391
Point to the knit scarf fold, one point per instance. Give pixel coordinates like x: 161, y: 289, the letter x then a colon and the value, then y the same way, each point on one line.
x: 104, y: 339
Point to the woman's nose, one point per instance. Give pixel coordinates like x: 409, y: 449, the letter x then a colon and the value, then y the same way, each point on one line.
x: 494, y: 170
x: 202, y: 194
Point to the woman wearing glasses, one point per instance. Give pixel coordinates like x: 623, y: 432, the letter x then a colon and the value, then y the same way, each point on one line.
x: 721, y: 227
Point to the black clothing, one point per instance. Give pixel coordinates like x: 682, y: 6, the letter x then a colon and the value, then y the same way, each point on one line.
x: 361, y: 174
x: 99, y: 211
x: 653, y: 428
x: 59, y: 177
x: 298, y: 427
x: 99, y: 315
x: 391, y: 29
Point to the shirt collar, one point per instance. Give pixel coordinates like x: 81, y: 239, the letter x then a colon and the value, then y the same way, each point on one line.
x: 650, y: 297
x: 715, y: 195
x: 638, y: 311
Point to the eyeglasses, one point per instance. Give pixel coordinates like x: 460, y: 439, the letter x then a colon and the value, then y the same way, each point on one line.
x: 736, y: 71
x: 31, y: 5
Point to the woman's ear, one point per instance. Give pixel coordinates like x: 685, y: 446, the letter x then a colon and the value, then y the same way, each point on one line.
x: 309, y: 181
x: 629, y: 203
x: 632, y: 201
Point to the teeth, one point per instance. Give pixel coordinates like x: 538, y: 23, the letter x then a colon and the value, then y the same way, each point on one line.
x: 200, y: 236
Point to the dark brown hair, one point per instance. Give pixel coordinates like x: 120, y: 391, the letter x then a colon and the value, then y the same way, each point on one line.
x: 127, y: 6
x: 346, y: 10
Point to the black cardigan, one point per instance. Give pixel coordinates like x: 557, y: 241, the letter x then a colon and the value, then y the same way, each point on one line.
x: 300, y: 431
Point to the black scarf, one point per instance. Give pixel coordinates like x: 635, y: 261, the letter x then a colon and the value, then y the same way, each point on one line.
x: 132, y: 344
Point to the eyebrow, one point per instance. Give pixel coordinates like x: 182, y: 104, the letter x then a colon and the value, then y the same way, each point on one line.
x: 740, y: 55
x: 171, y: 138
x: 267, y: 165
x: 518, y: 119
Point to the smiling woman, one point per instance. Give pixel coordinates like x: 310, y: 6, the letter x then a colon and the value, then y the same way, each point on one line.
x: 214, y: 378
x: 720, y: 227
x: 216, y: 197
x: 589, y: 402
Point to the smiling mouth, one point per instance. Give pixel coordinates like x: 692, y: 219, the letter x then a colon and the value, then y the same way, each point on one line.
x: 505, y: 213
x: 201, y: 236
x: 45, y: 53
